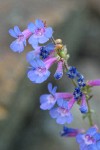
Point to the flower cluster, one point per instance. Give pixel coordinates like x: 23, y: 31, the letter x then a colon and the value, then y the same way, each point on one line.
x: 47, y: 51
x: 63, y: 102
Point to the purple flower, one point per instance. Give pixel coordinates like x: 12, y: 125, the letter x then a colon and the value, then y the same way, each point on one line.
x: 90, y: 140
x: 20, y: 42
x: 61, y: 113
x: 41, y: 33
x: 94, y: 82
x: 48, y: 100
x: 38, y: 71
x: 59, y: 72
x: 70, y: 132
x: 83, y: 105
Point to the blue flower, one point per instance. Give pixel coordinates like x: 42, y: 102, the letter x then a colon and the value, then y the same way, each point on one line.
x: 38, y: 73
x: 70, y: 132
x: 20, y: 42
x: 48, y: 100
x: 90, y: 140
x: 61, y: 113
x: 72, y: 72
x: 77, y: 93
x: 41, y: 33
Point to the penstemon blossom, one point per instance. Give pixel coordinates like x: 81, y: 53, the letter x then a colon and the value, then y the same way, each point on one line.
x: 47, y: 51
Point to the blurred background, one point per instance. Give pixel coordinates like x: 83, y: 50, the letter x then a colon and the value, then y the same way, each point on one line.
x: 23, y: 126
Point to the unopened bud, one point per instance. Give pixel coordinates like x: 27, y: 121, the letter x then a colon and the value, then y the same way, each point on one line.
x: 58, y: 41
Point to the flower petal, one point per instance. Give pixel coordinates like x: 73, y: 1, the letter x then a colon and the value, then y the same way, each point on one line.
x: 54, y: 113
x: 43, y: 98
x: 32, y: 55
x: 12, y: 33
x: 48, y: 32
x: 61, y: 120
x: 32, y: 27
x: 40, y: 79
x: 33, y: 41
x: 43, y: 39
x: 69, y: 118
x: 91, y: 131
x: 39, y: 23
x: 17, y: 30
x: 17, y: 46
x: 31, y: 75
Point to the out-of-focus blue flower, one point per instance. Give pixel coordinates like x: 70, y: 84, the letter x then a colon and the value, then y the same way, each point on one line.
x: 70, y: 132
x: 77, y: 93
x: 59, y: 72
x: 72, y: 72
x: 48, y: 100
x: 38, y: 73
x: 90, y: 140
x: 41, y: 33
x: 20, y: 42
x: 61, y: 113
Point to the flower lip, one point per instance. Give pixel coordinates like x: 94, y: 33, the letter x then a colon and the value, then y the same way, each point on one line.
x: 62, y: 111
x: 89, y: 139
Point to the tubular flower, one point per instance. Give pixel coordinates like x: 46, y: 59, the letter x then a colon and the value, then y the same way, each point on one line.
x: 90, y: 140
x: 94, y: 82
x: 83, y: 105
x: 70, y: 132
x: 59, y: 72
x: 41, y: 33
x: 20, y: 42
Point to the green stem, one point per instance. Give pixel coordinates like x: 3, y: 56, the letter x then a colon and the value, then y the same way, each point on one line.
x: 74, y: 83
x: 52, y: 38
x: 89, y: 114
